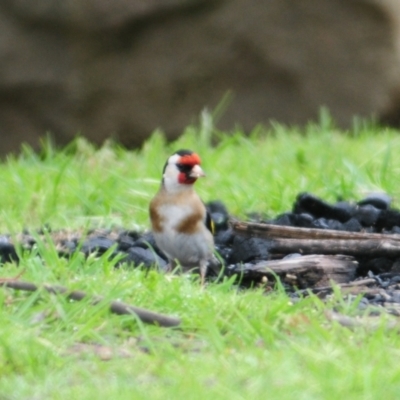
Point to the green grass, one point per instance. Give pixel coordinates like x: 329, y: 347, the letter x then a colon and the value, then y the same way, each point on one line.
x: 232, y: 344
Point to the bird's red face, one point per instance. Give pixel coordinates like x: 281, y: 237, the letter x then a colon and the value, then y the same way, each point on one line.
x: 182, y: 169
x: 189, y: 169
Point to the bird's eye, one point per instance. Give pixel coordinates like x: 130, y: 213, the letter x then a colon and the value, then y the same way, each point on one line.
x: 185, y: 168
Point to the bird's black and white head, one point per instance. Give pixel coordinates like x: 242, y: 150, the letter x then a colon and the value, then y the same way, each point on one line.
x: 181, y: 170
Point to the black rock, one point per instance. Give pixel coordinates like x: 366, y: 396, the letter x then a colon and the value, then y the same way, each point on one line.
x: 223, y: 243
x: 375, y: 265
x: 323, y: 223
x: 224, y: 238
x: 346, y: 206
x: 367, y: 215
x: 286, y: 219
x: 147, y: 257
x: 303, y: 220
x: 97, y: 244
x: 7, y: 251
x: 307, y: 203
x: 352, y: 225
x: 225, y: 252
x: 125, y: 241
x: 69, y: 246
x: 387, y: 219
x: 145, y: 241
x: 246, y: 249
x: 381, y: 201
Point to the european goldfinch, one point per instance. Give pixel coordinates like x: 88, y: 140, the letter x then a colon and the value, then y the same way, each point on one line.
x: 180, y: 222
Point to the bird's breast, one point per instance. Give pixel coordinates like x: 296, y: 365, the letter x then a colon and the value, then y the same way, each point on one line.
x: 182, y: 219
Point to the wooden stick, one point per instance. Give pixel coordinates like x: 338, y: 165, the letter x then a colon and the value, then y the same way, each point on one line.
x: 288, y: 239
x: 306, y: 271
x: 116, y: 307
x: 271, y: 231
x: 355, y: 247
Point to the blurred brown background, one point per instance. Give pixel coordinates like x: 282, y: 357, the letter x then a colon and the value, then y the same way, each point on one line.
x: 122, y: 68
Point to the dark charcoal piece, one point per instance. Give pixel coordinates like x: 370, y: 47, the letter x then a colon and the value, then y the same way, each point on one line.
x: 307, y: 203
x: 224, y: 238
x: 286, y: 219
x: 133, y: 234
x: 367, y: 215
x: 352, y: 225
x: 219, y: 214
x: 125, y: 241
x: 147, y: 257
x: 387, y: 220
x: 346, y: 206
x: 224, y: 252
x: 99, y: 245
x: 323, y: 223
x: 376, y: 265
x: 381, y: 201
x: 245, y: 249
x: 68, y: 247
x: 223, y: 244
x: 147, y: 241
x: 7, y: 251
x: 303, y: 220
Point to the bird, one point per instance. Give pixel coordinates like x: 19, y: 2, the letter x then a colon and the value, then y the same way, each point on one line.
x: 181, y: 225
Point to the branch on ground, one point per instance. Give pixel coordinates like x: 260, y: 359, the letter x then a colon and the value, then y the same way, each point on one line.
x: 116, y: 307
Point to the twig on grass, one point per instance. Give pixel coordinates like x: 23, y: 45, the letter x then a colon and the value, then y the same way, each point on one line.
x: 116, y: 307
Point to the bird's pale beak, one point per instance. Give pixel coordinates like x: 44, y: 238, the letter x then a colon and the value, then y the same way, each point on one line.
x: 196, y: 172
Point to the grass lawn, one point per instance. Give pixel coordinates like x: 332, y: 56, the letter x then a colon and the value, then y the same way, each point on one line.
x: 232, y: 344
